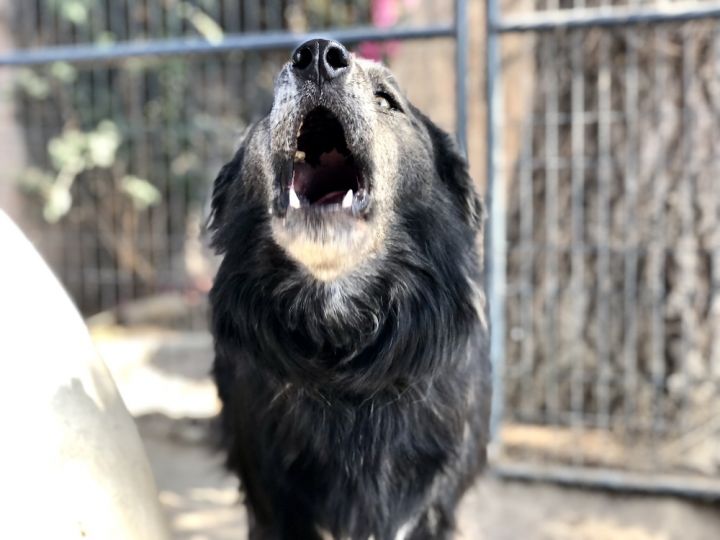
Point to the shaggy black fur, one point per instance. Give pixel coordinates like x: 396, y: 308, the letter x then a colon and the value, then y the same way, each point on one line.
x: 358, y: 405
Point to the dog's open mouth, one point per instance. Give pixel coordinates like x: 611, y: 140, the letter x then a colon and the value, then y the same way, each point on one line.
x: 326, y: 174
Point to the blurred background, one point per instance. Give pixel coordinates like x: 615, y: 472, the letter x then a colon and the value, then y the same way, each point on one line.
x: 591, y: 127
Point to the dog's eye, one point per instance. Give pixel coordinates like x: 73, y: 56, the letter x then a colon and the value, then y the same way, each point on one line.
x: 385, y: 101
x: 382, y: 102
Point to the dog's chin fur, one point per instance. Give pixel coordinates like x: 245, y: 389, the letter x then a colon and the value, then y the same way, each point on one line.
x: 332, y: 247
x: 353, y: 366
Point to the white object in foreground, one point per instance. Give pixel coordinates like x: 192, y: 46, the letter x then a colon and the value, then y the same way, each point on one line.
x: 71, y: 461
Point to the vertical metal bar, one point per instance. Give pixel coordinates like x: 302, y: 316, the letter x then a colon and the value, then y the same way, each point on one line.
x: 714, y: 301
x: 215, y: 74
x: 328, y: 15
x: 577, y: 219
x: 632, y: 241
x: 120, y: 27
x: 661, y: 79
x: 274, y: 15
x: 687, y: 248
x: 496, y: 190
x: 139, y: 155
x: 233, y: 68
x: 109, y: 266
x: 177, y: 25
x: 78, y: 256
x: 68, y: 228
x: 527, y: 261
x: 150, y: 26
x: 551, y: 251
x: 461, y: 71
x: 92, y: 244
x: 231, y: 11
x: 251, y: 63
x: 603, y: 232
x: 99, y: 103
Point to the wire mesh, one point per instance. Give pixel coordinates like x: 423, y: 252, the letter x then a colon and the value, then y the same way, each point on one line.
x: 611, y: 342
x: 126, y: 225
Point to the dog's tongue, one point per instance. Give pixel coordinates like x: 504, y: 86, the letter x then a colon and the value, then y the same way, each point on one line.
x: 334, y: 197
x: 310, y: 181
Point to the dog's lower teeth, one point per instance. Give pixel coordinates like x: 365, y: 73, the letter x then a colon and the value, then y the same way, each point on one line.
x: 294, y: 199
x: 347, y: 200
x: 299, y: 155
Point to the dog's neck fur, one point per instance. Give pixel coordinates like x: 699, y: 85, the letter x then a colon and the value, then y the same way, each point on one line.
x: 332, y: 334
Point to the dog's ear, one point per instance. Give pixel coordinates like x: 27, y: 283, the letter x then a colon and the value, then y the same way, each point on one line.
x: 453, y: 171
x: 221, y: 190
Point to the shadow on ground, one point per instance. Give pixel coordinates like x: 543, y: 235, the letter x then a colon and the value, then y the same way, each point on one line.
x: 201, y: 500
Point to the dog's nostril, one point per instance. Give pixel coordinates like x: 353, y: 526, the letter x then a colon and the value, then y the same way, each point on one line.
x: 336, y: 57
x: 320, y: 60
x: 302, y: 57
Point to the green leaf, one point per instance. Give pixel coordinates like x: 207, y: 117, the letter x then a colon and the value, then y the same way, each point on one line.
x: 203, y: 23
x: 67, y: 150
x: 58, y: 203
x: 105, y: 38
x: 102, y: 144
x: 34, y: 84
x: 74, y: 11
x: 63, y: 71
x: 36, y: 180
x: 142, y: 193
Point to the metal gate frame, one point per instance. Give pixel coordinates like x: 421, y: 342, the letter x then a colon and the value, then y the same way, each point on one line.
x: 498, y: 25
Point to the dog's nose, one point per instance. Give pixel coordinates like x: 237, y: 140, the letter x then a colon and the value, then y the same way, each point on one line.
x: 320, y: 60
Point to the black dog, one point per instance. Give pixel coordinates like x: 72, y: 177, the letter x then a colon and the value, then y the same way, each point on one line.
x: 350, y: 335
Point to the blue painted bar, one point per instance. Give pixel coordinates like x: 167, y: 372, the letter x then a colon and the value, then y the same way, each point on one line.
x: 461, y: 70
x: 255, y: 41
x: 495, y: 251
x: 605, y: 17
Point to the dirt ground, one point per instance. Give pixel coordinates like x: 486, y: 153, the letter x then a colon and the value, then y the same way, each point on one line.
x: 163, y: 379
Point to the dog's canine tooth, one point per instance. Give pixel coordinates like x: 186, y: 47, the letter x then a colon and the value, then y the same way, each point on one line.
x: 294, y: 199
x: 348, y: 199
x: 299, y: 155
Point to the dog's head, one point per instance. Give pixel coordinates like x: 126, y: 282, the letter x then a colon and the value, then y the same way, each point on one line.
x: 341, y: 156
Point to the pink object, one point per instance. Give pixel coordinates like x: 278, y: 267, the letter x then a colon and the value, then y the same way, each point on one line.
x: 384, y: 14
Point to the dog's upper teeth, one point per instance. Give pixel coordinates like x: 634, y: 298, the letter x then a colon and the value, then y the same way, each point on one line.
x: 294, y: 199
x: 299, y: 155
x: 348, y: 199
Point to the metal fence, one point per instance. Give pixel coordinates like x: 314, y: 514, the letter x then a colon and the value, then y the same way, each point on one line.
x: 128, y: 108
x: 603, y: 249
x: 604, y: 244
